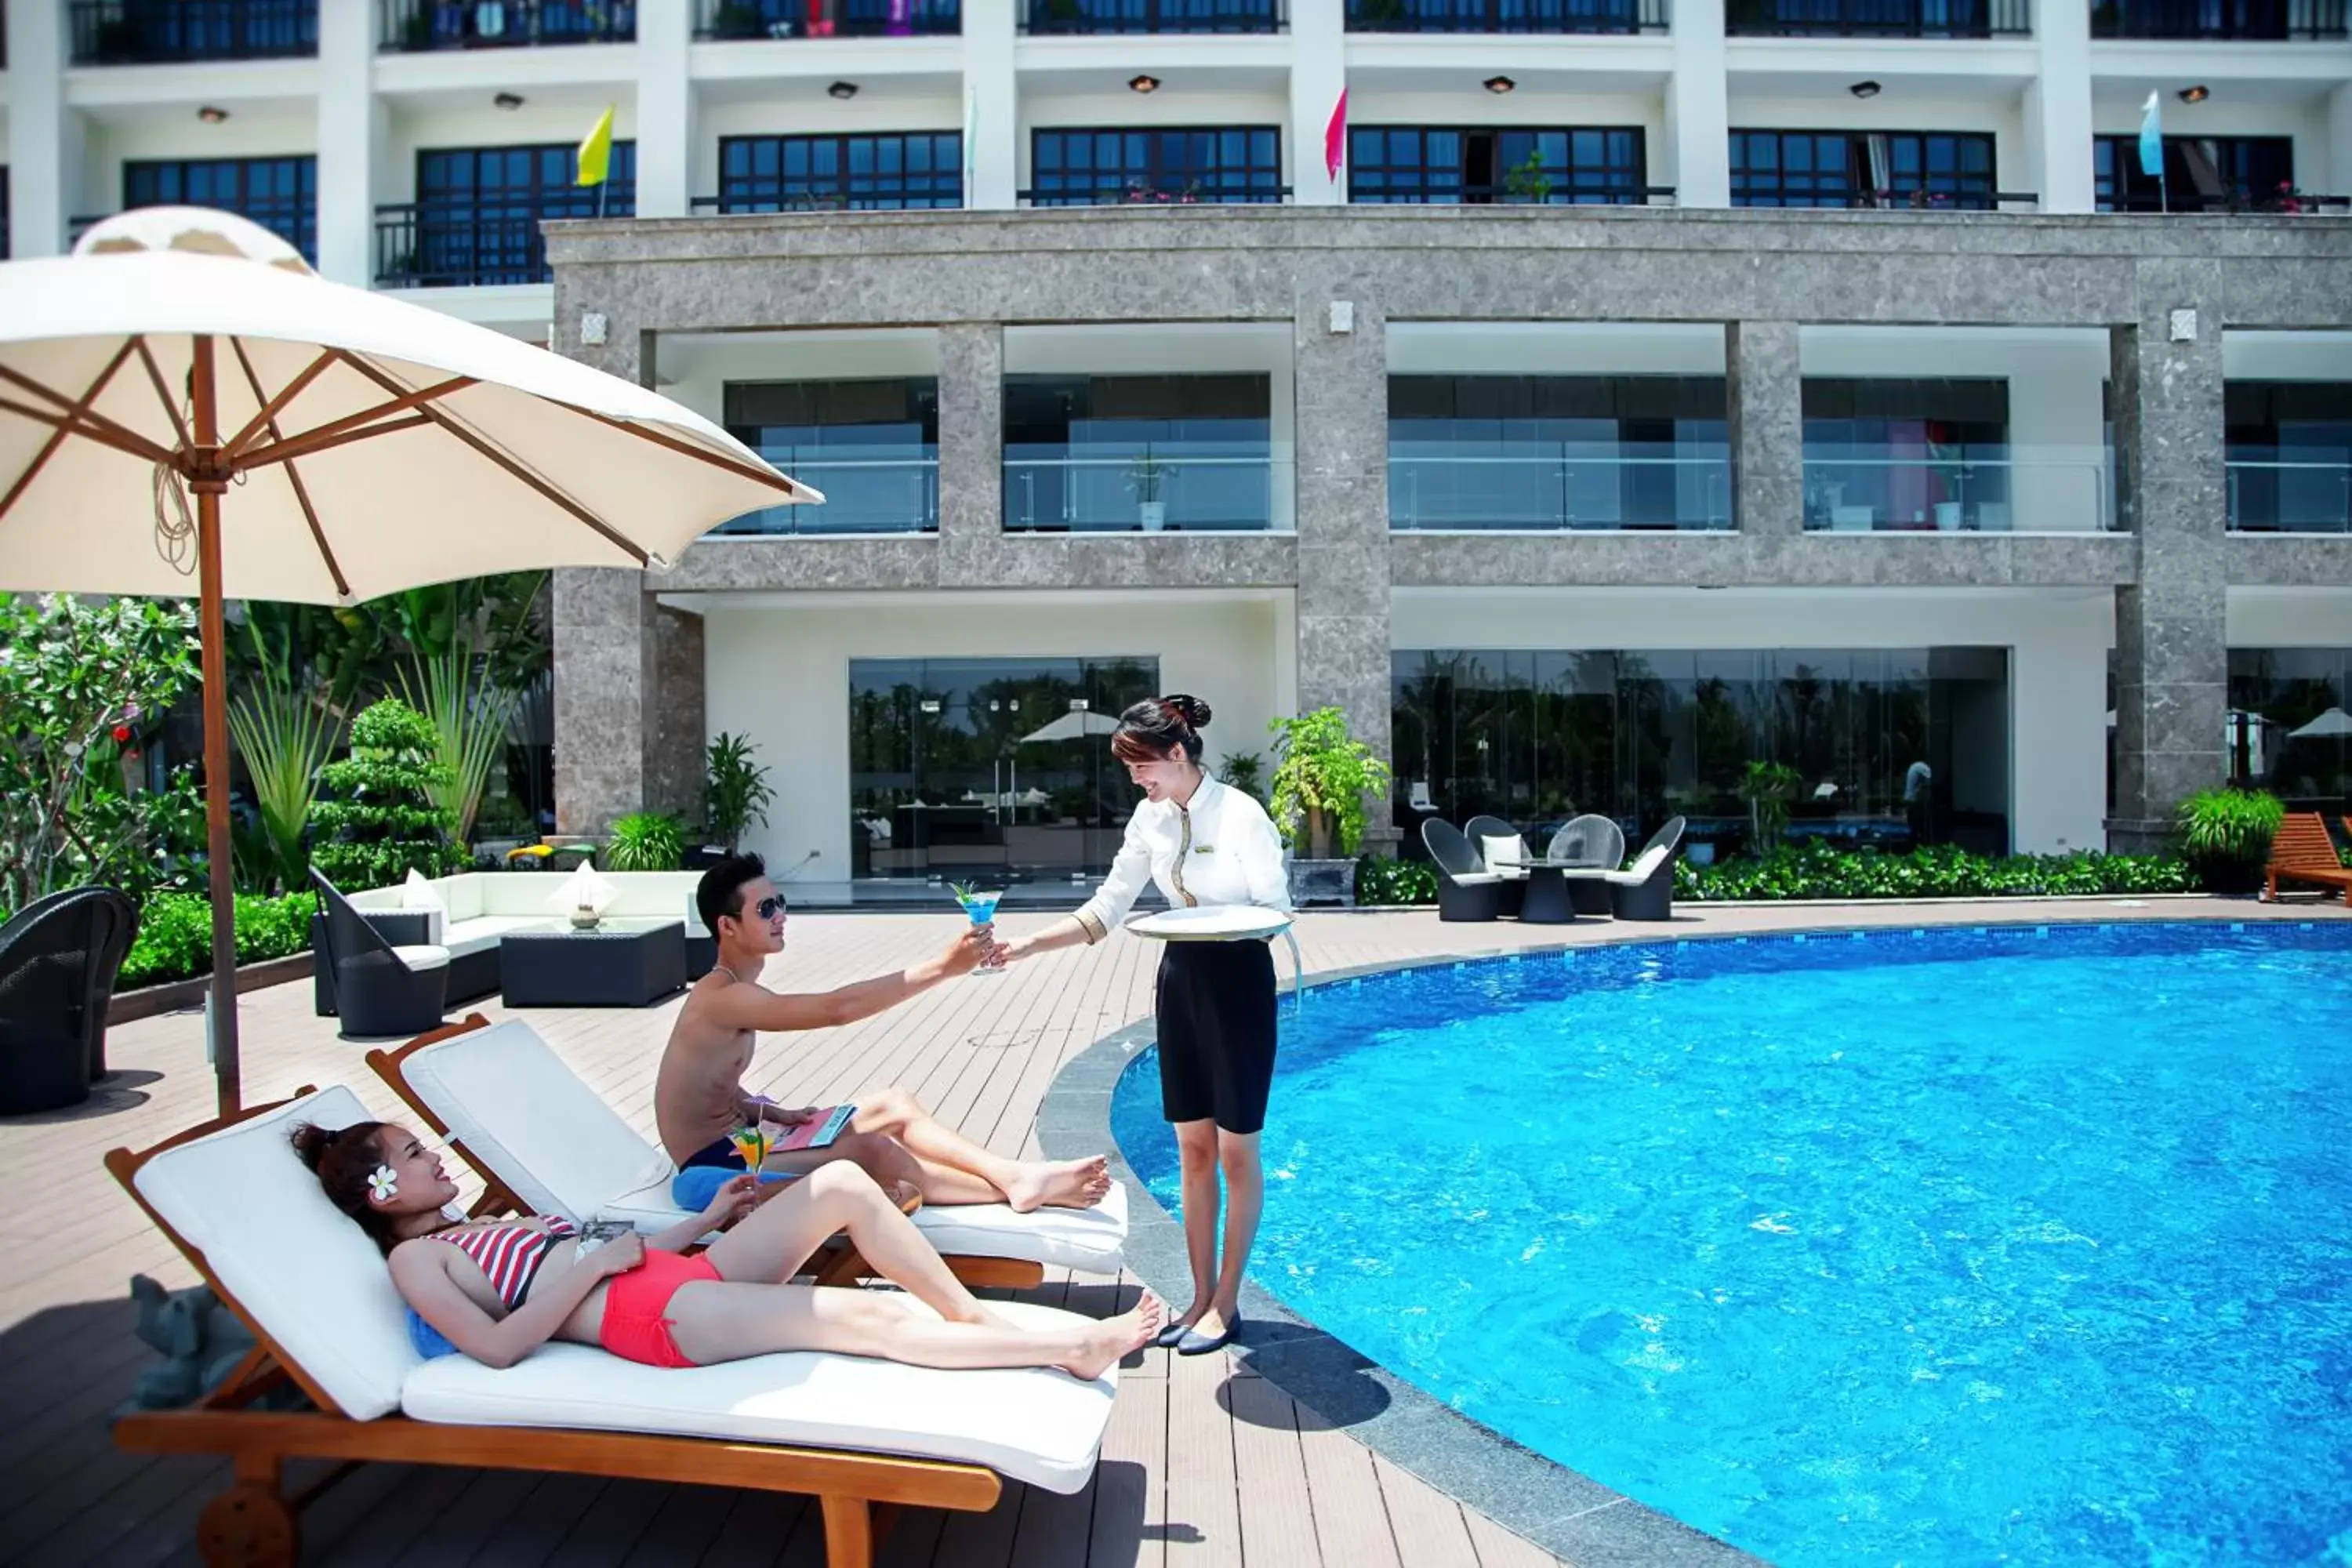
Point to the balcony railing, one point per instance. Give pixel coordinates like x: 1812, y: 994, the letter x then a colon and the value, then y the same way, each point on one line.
x: 1507, y: 15
x: 1073, y: 17
x: 1207, y: 191
x: 1567, y: 486
x: 893, y: 493
x: 2054, y: 493
x: 2237, y: 199
x: 741, y: 19
x: 1563, y: 190
x: 157, y: 32
x: 2307, y: 496
x: 457, y: 244
x: 1879, y: 18
x: 417, y: 25
x: 1145, y: 493
x: 2273, y: 21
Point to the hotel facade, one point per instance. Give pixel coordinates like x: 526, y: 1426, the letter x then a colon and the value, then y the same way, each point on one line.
x: 1659, y: 386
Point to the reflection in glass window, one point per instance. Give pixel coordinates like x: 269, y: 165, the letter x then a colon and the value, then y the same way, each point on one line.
x: 2290, y: 727
x: 1895, y: 746
x: 989, y: 770
x: 870, y: 446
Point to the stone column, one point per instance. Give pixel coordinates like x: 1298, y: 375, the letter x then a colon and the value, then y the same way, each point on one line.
x: 2172, y: 661
x: 602, y: 662
x: 971, y: 429
x: 992, y: 153
x: 1343, y: 524
x: 672, y: 679
x: 1764, y: 396
x: 602, y: 617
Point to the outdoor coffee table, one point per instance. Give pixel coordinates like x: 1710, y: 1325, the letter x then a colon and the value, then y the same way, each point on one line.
x: 1559, y: 890
x: 619, y: 964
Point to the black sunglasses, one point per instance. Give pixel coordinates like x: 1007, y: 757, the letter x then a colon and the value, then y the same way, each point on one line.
x: 769, y: 908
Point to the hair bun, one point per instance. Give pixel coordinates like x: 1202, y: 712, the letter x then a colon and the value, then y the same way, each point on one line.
x: 1191, y: 709
x: 311, y: 1143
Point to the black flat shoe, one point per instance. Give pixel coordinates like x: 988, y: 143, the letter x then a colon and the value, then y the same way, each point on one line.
x: 1193, y: 1342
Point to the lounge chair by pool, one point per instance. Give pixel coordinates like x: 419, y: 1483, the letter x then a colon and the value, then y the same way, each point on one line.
x: 2301, y: 851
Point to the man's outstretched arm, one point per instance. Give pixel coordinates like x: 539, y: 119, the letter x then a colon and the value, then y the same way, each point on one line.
x: 755, y: 1007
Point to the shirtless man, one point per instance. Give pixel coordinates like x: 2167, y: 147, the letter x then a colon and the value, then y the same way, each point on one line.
x: 698, y: 1095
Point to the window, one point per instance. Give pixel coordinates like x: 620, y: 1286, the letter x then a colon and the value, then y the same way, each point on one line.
x: 886, y: 172
x: 2201, y: 174
x: 2290, y: 455
x: 1088, y: 453
x: 1209, y: 164
x: 1417, y: 164
x: 281, y: 195
x: 2287, y: 728
x: 478, y: 208
x: 871, y: 446
x: 1861, y: 169
x: 1538, y: 736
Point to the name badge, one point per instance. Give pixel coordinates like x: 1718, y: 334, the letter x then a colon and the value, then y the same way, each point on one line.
x: 1204, y: 849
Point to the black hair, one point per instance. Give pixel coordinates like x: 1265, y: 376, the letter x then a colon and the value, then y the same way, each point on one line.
x: 343, y: 1159
x: 721, y: 891
x: 1158, y: 727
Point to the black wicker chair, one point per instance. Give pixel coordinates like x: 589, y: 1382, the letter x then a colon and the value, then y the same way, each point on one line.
x: 1466, y: 890
x: 1591, y: 845
x: 1479, y: 829
x: 1645, y: 889
x: 59, y: 958
x: 380, y: 989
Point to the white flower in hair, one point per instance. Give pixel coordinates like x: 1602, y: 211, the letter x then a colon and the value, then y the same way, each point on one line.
x: 383, y: 1184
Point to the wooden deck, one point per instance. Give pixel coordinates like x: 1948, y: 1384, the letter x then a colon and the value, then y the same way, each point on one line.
x: 1204, y: 1463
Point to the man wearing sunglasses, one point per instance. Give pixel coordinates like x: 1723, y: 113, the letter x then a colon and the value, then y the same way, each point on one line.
x: 700, y: 1099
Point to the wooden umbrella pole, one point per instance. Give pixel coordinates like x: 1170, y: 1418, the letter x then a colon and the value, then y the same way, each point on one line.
x: 201, y: 464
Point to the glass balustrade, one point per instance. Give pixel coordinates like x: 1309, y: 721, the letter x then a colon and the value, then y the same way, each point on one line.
x: 1532, y: 486
x: 1875, y: 489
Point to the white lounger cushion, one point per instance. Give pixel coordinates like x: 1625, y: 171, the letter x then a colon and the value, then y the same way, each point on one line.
x: 317, y: 1286
x: 306, y: 1272
x: 1042, y: 1428
x: 510, y: 1099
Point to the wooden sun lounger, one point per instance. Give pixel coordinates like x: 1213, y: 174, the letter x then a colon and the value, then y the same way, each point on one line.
x: 843, y: 1264
x: 254, y: 1525
x: 2301, y: 851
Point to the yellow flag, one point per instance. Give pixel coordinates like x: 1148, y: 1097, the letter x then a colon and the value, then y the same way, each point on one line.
x: 596, y: 152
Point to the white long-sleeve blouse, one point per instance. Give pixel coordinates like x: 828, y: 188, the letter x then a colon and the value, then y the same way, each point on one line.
x: 1220, y: 847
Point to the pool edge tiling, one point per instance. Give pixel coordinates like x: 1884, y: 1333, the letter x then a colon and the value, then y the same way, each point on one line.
x: 1559, y: 1509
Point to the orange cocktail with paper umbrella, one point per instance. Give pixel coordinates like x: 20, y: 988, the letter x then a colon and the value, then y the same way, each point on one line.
x: 751, y: 1144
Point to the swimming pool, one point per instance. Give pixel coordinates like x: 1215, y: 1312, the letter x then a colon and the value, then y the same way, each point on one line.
x: 2028, y: 1244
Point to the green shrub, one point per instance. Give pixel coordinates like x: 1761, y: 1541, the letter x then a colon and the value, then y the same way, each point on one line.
x: 175, y: 935
x: 385, y: 818
x: 646, y: 841
x: 1379, y: 880
x: 2227, y: 835
x: 1816, y: 870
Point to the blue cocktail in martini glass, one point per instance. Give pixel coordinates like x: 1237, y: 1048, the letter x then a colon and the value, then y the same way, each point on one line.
x: 980, y: 908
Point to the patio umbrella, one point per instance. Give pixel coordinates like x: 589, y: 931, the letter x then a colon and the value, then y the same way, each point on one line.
x: 185, y: 407
x: 1075, y: 724
x: 2334, y: 724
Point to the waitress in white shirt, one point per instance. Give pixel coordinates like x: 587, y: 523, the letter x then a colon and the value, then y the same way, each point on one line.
x: 1205, y: 843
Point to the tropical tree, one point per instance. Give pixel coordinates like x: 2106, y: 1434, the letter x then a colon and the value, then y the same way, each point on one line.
x: 383, y: 816
x: 1322, y: 775
x: 284, y: 736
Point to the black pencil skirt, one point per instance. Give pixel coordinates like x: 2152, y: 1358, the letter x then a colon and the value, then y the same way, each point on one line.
x: 1216, y: 1012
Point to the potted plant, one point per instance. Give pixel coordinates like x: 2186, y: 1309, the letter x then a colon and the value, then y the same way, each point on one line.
x: 646, y: 841
x: 1527, y: 182
x: 1322, y: 775
x: 1145, y: 478
x: 737, y: 20
x: 1768, y: 788
x: 1245, y: 770
x: 735, y: 795
x: 2226, y: 835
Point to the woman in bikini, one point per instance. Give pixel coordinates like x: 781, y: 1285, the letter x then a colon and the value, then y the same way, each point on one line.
x: 497, y: 1291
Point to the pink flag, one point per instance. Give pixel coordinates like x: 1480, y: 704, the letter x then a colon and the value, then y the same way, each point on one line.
x: 1335, y: 137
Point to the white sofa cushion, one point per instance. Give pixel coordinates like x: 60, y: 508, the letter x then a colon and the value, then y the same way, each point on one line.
x: 1642, y: 866
x: 304, y: 1270
x: 509, y: 1100
x: 1032, y: 1425
x: 423, y: 956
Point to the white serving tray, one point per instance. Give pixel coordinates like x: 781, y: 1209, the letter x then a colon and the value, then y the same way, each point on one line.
x: 1211, y: 923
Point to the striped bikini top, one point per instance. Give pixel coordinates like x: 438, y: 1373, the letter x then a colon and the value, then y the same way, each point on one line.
x: 511, y: 1255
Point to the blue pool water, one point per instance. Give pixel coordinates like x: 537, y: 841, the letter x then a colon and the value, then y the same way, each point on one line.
x: 2024, y: 1246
